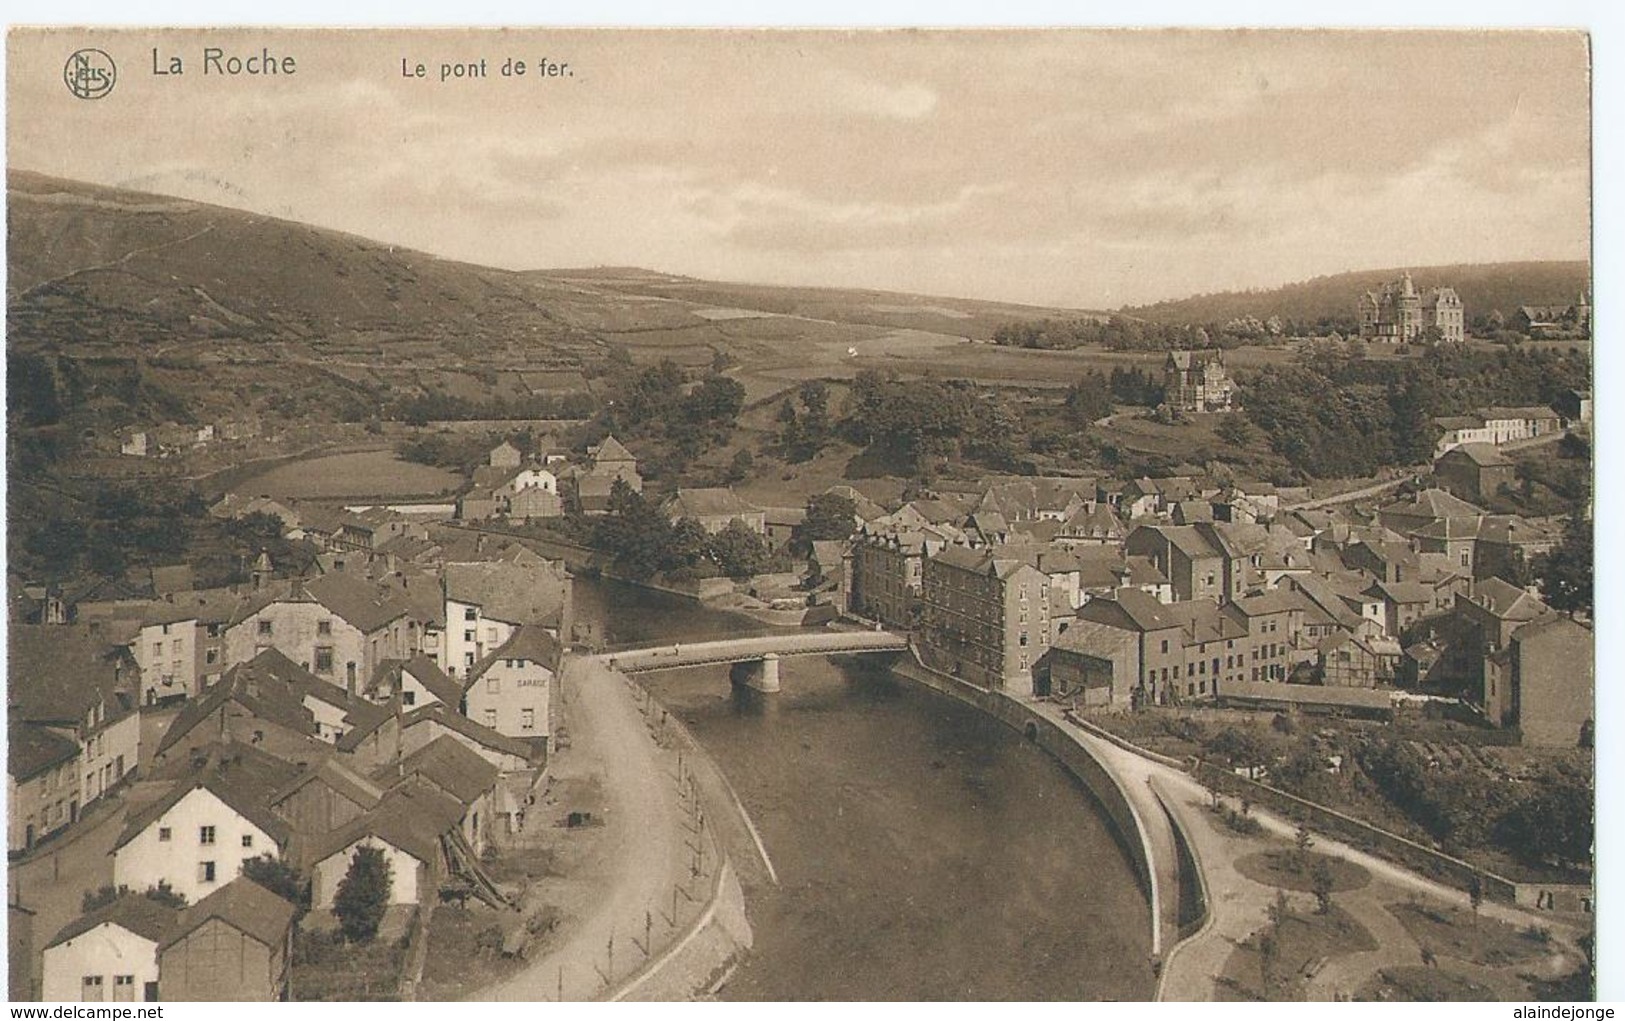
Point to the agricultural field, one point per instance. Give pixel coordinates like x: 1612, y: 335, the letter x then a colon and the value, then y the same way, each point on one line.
x: 368, y: 473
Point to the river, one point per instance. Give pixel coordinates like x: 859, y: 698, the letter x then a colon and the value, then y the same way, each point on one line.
x: 924, y: 851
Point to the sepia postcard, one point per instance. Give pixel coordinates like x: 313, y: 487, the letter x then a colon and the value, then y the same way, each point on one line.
x: 783, y: 515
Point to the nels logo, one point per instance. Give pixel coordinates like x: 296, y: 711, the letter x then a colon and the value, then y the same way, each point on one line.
x: 90, y: 74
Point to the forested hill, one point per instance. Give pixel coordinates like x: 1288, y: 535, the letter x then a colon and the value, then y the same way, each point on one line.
x: 1483, y: 287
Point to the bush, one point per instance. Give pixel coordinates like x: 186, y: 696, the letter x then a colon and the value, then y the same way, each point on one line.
x: 363, y: 895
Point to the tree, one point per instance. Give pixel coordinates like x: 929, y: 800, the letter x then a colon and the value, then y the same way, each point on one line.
x: 1320, y: 883
x: 280, y: 878
x: 1088, y: 400
x: 1565, y: 574
x: 363, y: 894
x: 165, y: 894
x: 830, y: 516
x: 739, y: 551
x: 739, y: 468
x: 1234, y: 430
x: 634, y: 532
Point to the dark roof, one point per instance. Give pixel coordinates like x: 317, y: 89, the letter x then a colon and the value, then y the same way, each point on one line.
x: 449, y: 765
x: 363, y: 604
x: 1485, y: 455
x: 1507, y: 600
x: 530, y: 642
x: 136, y: 912
x: 710, y: 502
x: 451, y: 719
x: 1128, y: 608
x: 1094, y: 638
x: 31, y: 749
x: 269, y: 686
x: 57, y: 672
x: 246, y: 795
x: 242, y: 904
x: 336, y: 775
x: 425, y: 671
x: 402, y: 822
x: 510, y: 592
x: 610, y: 450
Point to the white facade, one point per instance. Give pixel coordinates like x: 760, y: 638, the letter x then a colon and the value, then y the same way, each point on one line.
x: 330, y: 871
x: 198, y: 846
x: 167, y: 654
x: 470, y: 636
x: 512, y: 697
x: 106, y: 755
x: 414, y: 695
x: 108, y: 963
x: 307, y: 633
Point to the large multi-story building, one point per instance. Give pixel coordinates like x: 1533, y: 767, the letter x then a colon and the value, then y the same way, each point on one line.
x: 1400, y: 314
x: 987, y: 616
x: 1197, y: 381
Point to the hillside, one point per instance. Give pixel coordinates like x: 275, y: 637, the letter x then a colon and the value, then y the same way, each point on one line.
x: 173, y: 309
x: 1502, y: 285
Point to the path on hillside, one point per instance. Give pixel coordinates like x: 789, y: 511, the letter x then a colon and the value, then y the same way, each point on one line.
x: 645, y: 841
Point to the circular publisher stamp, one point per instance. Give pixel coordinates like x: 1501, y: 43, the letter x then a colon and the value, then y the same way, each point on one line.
x: 90, y: 73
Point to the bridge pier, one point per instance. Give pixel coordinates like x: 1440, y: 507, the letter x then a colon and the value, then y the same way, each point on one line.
x: 757, y: 674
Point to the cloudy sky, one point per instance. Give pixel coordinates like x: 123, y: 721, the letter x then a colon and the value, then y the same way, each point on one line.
x: 1089, y: 169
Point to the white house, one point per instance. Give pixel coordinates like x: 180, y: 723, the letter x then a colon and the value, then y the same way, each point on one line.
x: 110, y: 954
x: 510, y: 690
x: 486, y: 602
x: 195, y: 838
x: 408, y: 871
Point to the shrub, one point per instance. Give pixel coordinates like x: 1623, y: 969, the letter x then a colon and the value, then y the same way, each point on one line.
x: 363, y: 895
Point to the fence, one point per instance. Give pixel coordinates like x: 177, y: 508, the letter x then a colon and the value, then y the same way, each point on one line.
x: 1358, y: 833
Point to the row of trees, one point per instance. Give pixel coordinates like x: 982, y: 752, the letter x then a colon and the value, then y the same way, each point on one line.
x: 642, y: 540
x: 1334, y: 416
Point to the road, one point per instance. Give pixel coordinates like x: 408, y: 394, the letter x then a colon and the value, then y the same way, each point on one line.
x: 645, y: 839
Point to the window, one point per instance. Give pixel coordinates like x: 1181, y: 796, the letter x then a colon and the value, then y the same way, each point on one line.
x: 468, y: 636
x: 468, y: 659
x: 163, y: 834
x: 324, y: 659
x: 491, y: 718
x: 205, y: 835
x: 123, y: 988
x: 264, y: 627
x: 1466, y: 558
x: 470, y: 613
x: 90, y: 988
x: 324, y: 627
x: 409, y: 698
x: 527, y: 719
x: 205, y: 871
x: 248, y: 840
x: 493, y: 685
x: 211, y: 656
x: 1165, y: 645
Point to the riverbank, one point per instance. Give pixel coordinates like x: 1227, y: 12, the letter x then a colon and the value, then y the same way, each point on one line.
x: 664, y: 894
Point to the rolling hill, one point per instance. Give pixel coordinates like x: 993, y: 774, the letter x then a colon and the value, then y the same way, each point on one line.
x: 218, y: 309
x: 1502, y: 285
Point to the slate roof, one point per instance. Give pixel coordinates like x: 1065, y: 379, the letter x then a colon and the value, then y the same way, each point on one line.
x: 425, y: 671
x: 451, y: 719
x: 247, y: 796
x: 712, y: 502
x: 1094, y: 638
x: 337, y: 775
x: 269, y: 686
x: 529, y: 642
x: 57, y: 672
x: 1128, y: 608
x: 514, y: 593
x: 1485, y: 455
x: 449, y: 765
x: 361, y: 603
x: 610, y: 450
x: 245, y: 906
x: 136, y: 912
x: 1507, y: 600
x: 31, y: 749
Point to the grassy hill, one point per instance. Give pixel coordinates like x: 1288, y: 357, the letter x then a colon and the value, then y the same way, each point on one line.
x: 1502, y: 285
x: 166, y: 308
